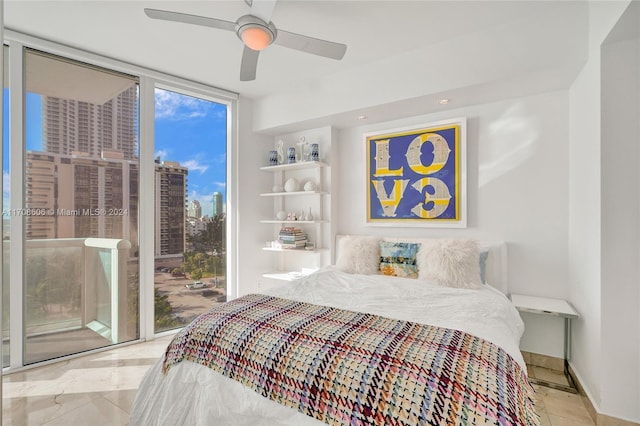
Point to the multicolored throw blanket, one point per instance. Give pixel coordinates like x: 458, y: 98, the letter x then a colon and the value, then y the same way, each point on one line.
x: 344, y: 367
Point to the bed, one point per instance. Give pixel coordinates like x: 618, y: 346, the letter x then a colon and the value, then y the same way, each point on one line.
x: 435, y: 343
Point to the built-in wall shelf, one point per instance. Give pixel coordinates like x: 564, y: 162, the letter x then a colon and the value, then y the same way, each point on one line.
x: 315, y: 202
x: 294, y: 166
x: 296, y: 250
x: 291, y: 222
x: 281, y: 194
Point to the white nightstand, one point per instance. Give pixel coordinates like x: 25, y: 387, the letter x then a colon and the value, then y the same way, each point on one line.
x: 553, y: 307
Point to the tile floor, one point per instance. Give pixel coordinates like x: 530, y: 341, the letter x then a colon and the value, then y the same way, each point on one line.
x: 98, y: 389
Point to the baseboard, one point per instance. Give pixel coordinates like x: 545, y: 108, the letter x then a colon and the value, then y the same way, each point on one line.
x: 598, y: 418
x: 545, y: 361
x: 557, y: 364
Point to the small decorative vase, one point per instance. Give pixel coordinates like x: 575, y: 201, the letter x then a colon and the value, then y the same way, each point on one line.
x: 273, y: 157
x: 291, y: 155
x: 303, y: 149
x: 280, y: 150
x: 281, y: 215
x: 310, y: 186
x: 309, y: 216
x: 315, y: 153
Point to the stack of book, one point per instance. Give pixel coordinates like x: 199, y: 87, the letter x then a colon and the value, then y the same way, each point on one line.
x: 292, y: 238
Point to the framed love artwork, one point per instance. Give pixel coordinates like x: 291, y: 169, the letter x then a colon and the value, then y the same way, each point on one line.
x: 417, y: 176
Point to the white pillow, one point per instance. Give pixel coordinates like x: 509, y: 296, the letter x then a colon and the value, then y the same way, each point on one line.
x: 451, y: 263
x: 358, y: 254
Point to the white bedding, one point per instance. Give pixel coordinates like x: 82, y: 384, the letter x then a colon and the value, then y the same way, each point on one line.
x: 191, y: 394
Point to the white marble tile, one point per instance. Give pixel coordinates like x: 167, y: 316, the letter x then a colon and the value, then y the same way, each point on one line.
x: 42, y: 409
x: 99, y: 389
x: 98, y: 412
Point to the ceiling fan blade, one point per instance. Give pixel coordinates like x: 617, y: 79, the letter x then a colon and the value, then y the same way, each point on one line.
x: 325, y: 48
x: 263, y: 9
x: 249, y: 64
x: 185, y: 18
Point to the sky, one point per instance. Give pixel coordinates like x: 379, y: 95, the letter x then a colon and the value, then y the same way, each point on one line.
x: 188, y: 130
x: 193, y: 132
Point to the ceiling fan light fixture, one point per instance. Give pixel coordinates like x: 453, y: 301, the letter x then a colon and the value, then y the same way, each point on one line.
x: 254, y: 32
x: 256, y: 37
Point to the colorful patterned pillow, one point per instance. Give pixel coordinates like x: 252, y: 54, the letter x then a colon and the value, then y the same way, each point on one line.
x: 399, y: 259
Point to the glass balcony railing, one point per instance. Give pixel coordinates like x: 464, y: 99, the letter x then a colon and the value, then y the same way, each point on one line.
x: 79, y: 293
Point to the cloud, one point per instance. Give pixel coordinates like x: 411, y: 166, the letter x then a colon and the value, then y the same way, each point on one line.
x: 6, y: 184
x: 176, y: 106
x: 193, y: 165
x: 162, y: 154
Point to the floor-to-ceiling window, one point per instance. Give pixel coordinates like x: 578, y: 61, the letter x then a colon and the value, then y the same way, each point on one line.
x: 80, y: 181
x: 6, y: 219
x: 190, y: 199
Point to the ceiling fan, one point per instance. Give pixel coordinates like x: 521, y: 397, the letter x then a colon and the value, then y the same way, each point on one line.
x: 256, y: 32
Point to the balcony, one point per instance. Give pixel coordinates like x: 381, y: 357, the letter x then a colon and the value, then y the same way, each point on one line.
x: 80, y: 294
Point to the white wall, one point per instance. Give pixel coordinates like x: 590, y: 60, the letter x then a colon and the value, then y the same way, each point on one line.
x: 620, y: 288
x: 517, y: 156
x: 587, y: 224
x: 253, y: 153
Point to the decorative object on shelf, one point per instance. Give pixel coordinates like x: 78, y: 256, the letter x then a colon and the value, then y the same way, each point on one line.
x: 310, y: 245
x: 309, y: 216
x: 281, y: 215
x: 291, y: 185
x: 291, y: 155
x: 303, y: 149
x: 273, y: 157
x: 280, y: 150
x: 277, y: 188
x: 315, y: 152
x: 406, y: 187
x: 310, y: 186
x: 292, y: 216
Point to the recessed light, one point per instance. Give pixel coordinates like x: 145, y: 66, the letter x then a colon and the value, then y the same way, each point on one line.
x: 362, y: 117
x: 443, y: 101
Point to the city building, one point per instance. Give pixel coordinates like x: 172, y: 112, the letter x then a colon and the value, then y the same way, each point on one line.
x: 74, y: 127
x: 101, y: 204
x: 171, y: 190
x: 91, y: 148
x: 218, y: 207
x: 195, y: 210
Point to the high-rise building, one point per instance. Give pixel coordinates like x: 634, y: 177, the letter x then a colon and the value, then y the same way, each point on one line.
x: 82, y: 128
x: 88, y: 165
x: 218, y: 207
x: 98, y: 185
x: 195, y: 210
x: 171, y: 202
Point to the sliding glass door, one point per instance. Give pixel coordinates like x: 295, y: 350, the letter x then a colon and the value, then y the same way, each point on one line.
x: 80, y: 207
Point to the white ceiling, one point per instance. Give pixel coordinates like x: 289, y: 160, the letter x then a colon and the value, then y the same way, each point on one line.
x: 506, y: 48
